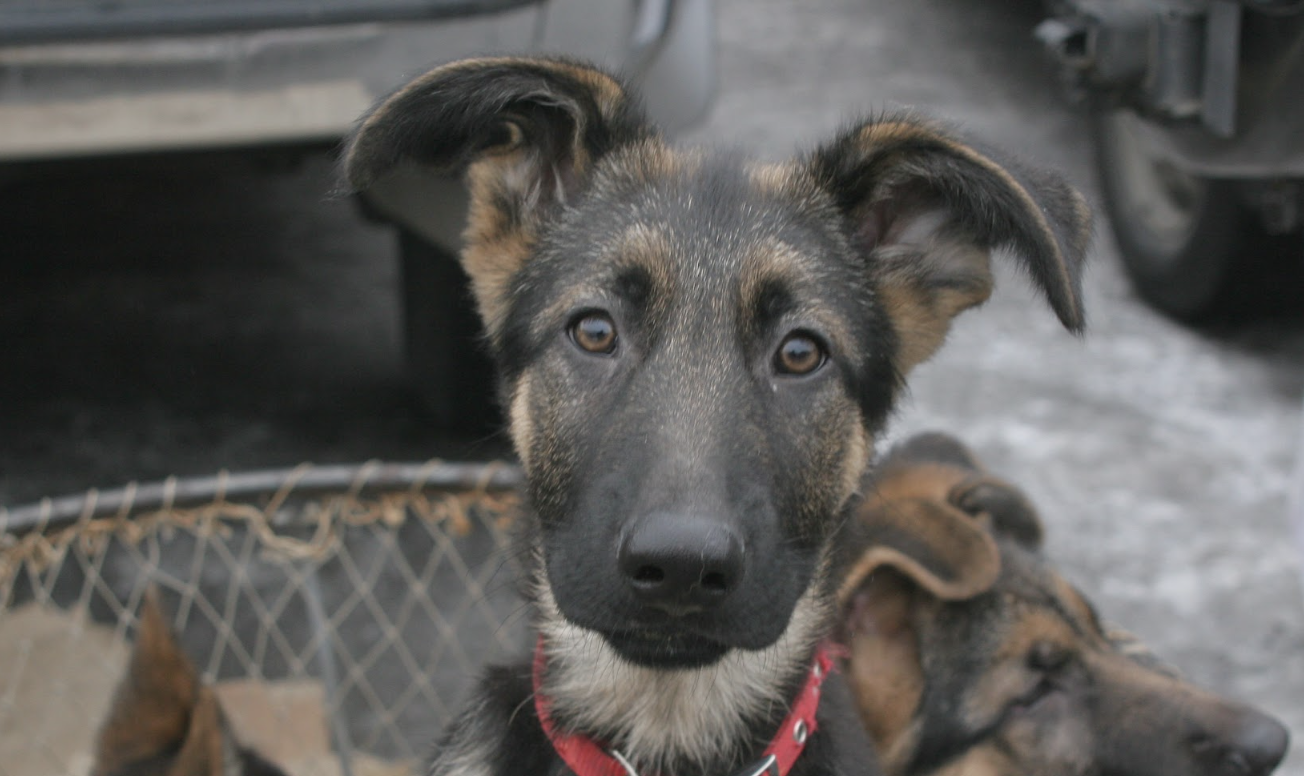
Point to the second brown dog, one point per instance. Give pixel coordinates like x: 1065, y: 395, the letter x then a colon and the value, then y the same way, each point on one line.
x: 970, y: 654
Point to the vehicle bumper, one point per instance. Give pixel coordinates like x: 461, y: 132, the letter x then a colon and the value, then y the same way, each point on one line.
x: 268, y: 87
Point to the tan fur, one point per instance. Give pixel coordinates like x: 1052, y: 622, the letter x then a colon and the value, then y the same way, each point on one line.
x: 1088, y: 627
x: 920, y: 329
x: 921, y: 315
x: 698, y: 713
x: 859, y: 447
x: 771, y: 260
x: 886, y: 677
x: 986, y: 760
x: 913, y: 501
x: 920, y: 481
x: 494, y: 250
x: 520, y: 422
x: 152, y: 706
x: 652, y: 160
x: 948, y: 540
x: 207, y: 749
x: 773, y: 177
x: 643, y: 246
x: 605, y: 90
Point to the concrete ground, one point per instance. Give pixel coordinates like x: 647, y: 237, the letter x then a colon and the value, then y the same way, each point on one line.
x: 174, y: 321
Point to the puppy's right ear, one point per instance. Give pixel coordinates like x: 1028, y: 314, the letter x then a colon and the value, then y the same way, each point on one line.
x: 925, y: 210
x: 526, y: 131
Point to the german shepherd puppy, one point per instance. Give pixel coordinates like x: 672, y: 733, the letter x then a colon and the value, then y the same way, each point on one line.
x: 164, y: 721
x: 695, y: 352
x: 971, y: 656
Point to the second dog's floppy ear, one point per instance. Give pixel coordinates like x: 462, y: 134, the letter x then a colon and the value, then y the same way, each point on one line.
x: 940, y: 548
x: 927, y: 209
x: 526, y: 131
x: 1002, y: 506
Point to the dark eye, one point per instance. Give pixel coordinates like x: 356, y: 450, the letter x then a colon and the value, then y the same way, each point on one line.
x: 1046, y: 661
x: 594, y: 332
x: 1048, y: 658
x: 799, y: 354
x: 1031, y: 697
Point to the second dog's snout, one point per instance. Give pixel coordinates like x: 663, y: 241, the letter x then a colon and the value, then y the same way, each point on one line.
x: 1252, y: 746
x: 681, y: 563
x: 1258, y: 745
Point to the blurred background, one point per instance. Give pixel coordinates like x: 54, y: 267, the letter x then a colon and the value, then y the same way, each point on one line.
x: 182, y: 291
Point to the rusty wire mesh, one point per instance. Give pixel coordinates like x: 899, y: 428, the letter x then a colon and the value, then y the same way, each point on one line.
x: 341, y: 612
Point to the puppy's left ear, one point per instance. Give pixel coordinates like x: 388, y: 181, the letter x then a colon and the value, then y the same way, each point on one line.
x: 926, y: 210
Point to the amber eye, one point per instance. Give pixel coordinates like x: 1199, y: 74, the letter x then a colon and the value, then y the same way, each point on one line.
x: 594, y: 332
x: 799, y: 354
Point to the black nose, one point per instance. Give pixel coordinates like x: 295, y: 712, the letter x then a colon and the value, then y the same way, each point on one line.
x: 681, y: 563
x: 1261, y: 741
x: 1254, y: 746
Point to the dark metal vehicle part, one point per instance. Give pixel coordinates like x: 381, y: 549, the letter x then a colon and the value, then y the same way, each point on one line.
x: 280, y: 79
x: 43, y: 21
x: 1199, y: 133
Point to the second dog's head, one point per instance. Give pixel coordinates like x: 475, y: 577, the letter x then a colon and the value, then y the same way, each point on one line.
x: 971, y: 655
x: 696, y: 349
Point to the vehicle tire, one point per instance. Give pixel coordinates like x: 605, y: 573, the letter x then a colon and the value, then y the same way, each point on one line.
x: 1190, y: 245
x: 448, y: 366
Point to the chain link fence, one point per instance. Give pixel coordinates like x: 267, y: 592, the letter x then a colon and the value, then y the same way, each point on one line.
x: 340, y: 613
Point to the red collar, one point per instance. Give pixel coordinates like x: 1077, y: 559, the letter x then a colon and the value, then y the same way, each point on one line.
x: 586, y: 758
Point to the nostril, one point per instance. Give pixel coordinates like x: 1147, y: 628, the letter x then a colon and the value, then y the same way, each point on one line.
x: 1259, y: 745
x: 1236, y: 764
x: 1254, y: 747
x: 649, y: 575
x: 715, y: 582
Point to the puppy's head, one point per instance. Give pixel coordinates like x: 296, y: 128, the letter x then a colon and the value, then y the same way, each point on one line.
x: 971, y: 655
x: 696, y: 349
x: 164, y: 721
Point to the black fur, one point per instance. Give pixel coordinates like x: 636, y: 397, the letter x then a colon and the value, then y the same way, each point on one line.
x: 446, y: 122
